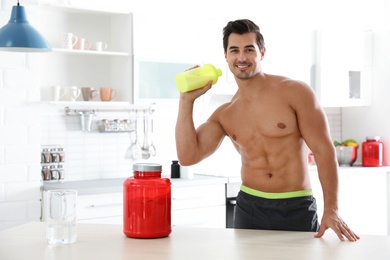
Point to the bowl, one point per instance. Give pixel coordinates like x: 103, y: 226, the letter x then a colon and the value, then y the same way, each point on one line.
x: 346, y: 155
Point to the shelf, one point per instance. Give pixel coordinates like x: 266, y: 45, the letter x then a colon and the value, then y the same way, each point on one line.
x: 90, y: 52
x: 93, y: 109
x: 90, y: 104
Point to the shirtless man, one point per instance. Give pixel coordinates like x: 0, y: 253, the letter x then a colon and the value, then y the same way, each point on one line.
x: 270, y: 120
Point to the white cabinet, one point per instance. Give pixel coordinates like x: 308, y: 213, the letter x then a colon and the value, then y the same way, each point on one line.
x: 164, y: 45
x: 112, y: 67
x: 195, y: 205
x: 342, y: 69
x: 199, y: 206
x: 363, y: 198
x: 104, y: 208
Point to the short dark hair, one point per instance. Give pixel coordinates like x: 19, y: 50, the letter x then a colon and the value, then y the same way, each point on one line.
x: 242, y: 26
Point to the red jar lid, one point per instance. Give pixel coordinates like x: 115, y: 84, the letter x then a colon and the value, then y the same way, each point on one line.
x: 147, y: 167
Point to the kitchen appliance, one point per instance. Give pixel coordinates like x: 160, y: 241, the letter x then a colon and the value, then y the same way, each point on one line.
x: 232, y: 189
x: 147, y: 202
x: 372, y: 152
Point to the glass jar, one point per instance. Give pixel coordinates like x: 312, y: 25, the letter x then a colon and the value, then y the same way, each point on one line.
x: 147, y: 202
x: 372, y: 152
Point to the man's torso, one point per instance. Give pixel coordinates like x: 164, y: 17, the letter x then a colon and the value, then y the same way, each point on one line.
x: 264, y: 129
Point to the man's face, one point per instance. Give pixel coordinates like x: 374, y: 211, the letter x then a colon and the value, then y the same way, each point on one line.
x: 243, y: 55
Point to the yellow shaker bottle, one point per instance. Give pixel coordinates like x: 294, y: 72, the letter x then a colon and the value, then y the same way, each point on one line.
x: 197, y: 78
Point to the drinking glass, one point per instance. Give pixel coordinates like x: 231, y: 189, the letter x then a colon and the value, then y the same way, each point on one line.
x: 61, y: 219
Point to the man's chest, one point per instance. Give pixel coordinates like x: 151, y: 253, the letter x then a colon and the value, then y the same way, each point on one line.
x: 247, y: 123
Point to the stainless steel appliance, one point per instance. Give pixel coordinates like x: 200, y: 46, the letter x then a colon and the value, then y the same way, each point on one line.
x: 232, y: 189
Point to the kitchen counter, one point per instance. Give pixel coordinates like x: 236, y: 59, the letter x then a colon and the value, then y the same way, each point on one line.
x: 108, y: 242
x: 85, y: 187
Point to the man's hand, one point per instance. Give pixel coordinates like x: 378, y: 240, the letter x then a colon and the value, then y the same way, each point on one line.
x: 332, y: 220
x: 194, y: 94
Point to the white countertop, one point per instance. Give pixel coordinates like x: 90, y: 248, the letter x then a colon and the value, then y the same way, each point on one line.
x: 108, y: 242
x: 116, y: 184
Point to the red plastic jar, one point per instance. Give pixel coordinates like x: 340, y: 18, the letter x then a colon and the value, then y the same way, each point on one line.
x: 147, y: 203
x: 372, y: 152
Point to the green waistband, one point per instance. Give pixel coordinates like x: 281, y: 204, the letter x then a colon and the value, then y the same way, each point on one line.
x: 276, y: 195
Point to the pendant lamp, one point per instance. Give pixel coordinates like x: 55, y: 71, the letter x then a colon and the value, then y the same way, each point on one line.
x: 19, y: 36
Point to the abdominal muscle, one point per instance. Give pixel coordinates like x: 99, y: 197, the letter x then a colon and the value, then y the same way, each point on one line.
x: 278, y: 169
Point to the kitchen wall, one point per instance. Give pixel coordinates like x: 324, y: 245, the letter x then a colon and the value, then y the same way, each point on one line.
x: 25, y: 124
x: 359, y: 122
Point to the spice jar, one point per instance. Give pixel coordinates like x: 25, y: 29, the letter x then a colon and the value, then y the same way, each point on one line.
x: 372, y: 151
x: 147, y: 203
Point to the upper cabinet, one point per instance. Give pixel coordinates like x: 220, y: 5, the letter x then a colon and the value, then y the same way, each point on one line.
x: 342, y: 70
x: 111, y: 66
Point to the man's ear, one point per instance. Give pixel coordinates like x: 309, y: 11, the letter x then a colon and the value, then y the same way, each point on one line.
x: 262, y: 53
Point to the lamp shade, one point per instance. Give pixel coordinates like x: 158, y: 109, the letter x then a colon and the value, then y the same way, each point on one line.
x: 19, y: 36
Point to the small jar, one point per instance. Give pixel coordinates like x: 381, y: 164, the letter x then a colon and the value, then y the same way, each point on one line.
x: 126, y: 124
x: 45, y: 155
x: 175, y: 169
x: 147, y: 203
x: 117, y: 125
x: 105, y: 125
x: 55, y: 156
x: 372, y: 152
x: 61, y: 153
x: 46, y: 176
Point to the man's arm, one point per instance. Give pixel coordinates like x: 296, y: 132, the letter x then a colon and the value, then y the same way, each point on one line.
x: 315, y: 131
x: 193, y: 145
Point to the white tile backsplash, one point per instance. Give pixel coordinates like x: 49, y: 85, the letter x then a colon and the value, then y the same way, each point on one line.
x: 20, y: 134
x: 10, y: 60
x: 13, y: 173
x: 13, y: 212
x: 20, y: 78
x: 23, y: 191
x: 2, y: 153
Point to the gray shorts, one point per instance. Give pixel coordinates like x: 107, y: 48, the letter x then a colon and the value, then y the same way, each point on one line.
x: 290, y: 214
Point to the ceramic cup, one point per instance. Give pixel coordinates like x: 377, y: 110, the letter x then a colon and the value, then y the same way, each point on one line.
x: 99, y: 46
x: 88, y: 93
x: 107, y: 94
x: 72, y: 93
x: 57, y: 92
x: 61, y: 217
x: 68, y: 40
x: 82, y: 44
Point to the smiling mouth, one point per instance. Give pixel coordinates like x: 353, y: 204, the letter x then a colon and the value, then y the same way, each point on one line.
x: 242, y: 66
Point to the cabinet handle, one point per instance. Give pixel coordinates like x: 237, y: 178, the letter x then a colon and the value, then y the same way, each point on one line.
x: 104, y: 205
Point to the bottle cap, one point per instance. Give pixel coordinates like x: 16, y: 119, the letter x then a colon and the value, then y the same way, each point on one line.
x: 147, y: 167
x: 373, y: 138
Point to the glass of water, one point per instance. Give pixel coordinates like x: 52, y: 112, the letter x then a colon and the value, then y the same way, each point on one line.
x: 61, y: 218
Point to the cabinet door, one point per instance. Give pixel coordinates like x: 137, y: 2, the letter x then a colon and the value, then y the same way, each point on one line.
x: 213, y: 217
x: 363, y: 199
x: 343, y: 67
x: 168, y: 36
x: 100, y: 207
x: 198, y: 196
x: 199, y: 206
